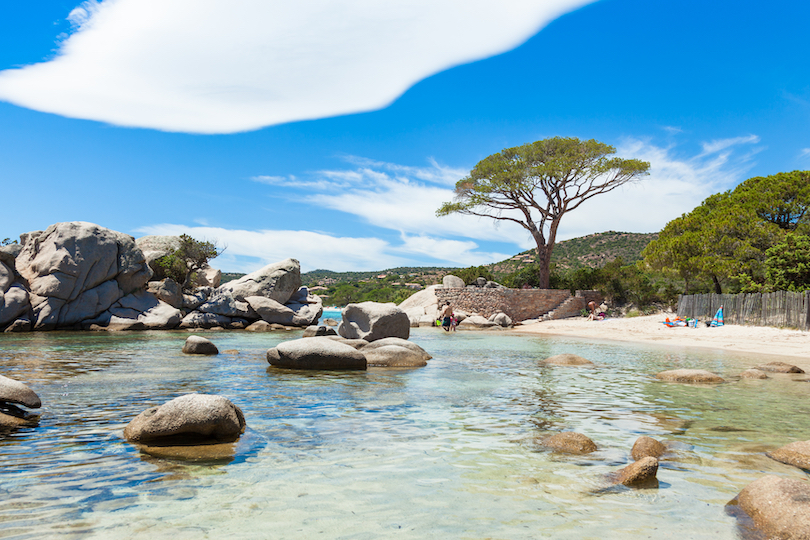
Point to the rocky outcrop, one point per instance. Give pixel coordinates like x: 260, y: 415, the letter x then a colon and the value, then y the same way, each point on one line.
x: 567, y: 360
x: 199, y: 345
x: 780, y: 367
x: 777, y: 506
x: 137, y: 311
x: 694, y: 376
x: 647, y: 447
x: 278, y: 281
x: 569, y: 442
x: 77, y: 270
x: 79, y: 275
x: 501, y: 319
x: 198, y: 418
x: 452, y: 282
x: 422, y: 307
x: 317, y: 353
x: 795, y: 453
x: 372, y: 321
x: 294, y: 313
x: 167, y: 290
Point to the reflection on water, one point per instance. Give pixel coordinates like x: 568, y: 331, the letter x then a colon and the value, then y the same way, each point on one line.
x: 443, y: 451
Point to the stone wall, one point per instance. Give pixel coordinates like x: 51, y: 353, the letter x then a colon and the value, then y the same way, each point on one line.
x: 519, y: 304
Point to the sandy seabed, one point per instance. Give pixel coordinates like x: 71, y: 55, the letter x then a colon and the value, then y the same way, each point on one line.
x: 760, y: 340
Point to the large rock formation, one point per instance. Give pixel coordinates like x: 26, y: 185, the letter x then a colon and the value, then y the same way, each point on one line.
x: 422, y: 307
x: 373, y: 320
x: 278, y: 281
x: 80, y: 275
x: 77, y: 270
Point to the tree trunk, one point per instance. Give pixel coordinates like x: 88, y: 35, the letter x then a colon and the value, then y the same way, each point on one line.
x: 717, y: 288
x: 543, y: 264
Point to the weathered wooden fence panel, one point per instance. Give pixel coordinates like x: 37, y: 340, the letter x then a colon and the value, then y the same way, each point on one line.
x: 781, y: 309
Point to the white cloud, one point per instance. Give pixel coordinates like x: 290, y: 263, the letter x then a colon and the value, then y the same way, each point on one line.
x: 246, y: 251
x: 400, y: 202
x: 804, y: 152
x: 718, y: 145
x: 211, y: 66
x: 675, y: 186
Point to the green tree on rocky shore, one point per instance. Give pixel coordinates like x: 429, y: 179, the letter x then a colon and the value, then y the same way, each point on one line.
x: 191, y: 257
x: 536, y: 184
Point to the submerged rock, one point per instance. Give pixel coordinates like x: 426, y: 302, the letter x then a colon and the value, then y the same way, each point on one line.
x: 753, y: 373
x: 194, y: 418
x: 567, y: 360
x: 570, y: 443
x: 694, y: 376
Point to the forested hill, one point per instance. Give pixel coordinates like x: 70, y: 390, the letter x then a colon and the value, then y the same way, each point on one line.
x: 593, y: 251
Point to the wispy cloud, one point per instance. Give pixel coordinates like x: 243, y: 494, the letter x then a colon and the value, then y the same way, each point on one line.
x: 393, y: 197
x: 719, y: 145
x: 247, y: 251
x: 211, y: 66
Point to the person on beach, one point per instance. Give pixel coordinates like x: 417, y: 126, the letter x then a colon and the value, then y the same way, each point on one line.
x: 446, y: 316
x: 592, y: 309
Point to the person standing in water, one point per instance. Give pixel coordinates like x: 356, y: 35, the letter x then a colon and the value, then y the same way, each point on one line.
x: 446, y: 316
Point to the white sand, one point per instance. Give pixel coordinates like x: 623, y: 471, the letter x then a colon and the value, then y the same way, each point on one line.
x: 649, y: 329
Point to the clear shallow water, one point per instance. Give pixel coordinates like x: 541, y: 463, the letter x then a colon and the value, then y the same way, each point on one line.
x: 444, y: 451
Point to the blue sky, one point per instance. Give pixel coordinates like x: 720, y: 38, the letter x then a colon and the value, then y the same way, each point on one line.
x: 331, y: 133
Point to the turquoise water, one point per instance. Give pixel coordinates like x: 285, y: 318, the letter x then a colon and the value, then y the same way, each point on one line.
x: 445, y: 451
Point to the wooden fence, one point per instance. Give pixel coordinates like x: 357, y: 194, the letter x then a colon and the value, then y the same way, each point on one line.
x: 781, y: 309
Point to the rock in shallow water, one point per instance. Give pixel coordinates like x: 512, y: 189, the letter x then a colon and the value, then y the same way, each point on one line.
x: 695, y: 376
x: 199, y: 345
x: 198, y: 418
x: 780, y: 367
x: 373, y: 320
x: 779, y: 507
x: 570, y: 443
x: 796, y: 454
x: 13, y: 391
x: 567, y: 360
x: 639, y: 473
x: 316, y: 353
x: 647, y: 447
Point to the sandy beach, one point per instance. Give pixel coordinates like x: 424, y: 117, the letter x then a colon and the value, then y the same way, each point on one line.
x: 649, y: 329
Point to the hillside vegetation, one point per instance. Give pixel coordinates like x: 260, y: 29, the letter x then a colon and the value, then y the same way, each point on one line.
x: 592, y: 251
